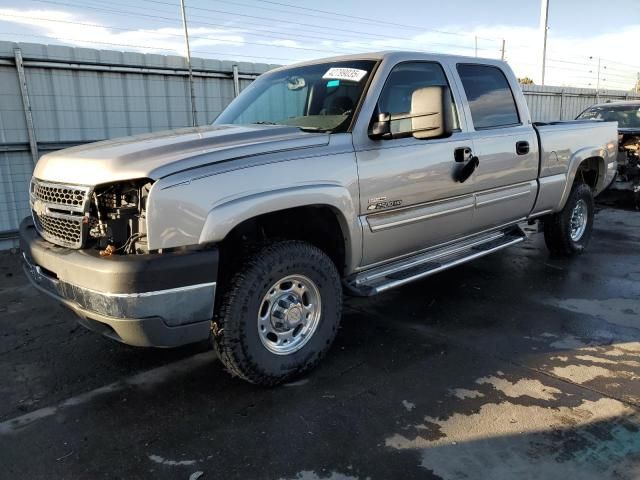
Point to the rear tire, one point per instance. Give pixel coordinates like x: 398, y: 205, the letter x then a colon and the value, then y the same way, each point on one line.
x: 568, y: 232
x: 279, y: 313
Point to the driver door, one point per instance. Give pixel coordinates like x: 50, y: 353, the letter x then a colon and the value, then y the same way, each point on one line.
x: 409, y: 200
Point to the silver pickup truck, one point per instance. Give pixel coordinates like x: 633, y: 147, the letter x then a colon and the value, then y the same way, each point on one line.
x: 355, y: 174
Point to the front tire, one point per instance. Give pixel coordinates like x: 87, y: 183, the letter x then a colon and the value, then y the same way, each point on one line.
x: 279, y: 314
x: 568, y: 232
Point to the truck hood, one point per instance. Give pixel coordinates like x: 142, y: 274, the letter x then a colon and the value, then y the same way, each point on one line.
x: 157, y: 155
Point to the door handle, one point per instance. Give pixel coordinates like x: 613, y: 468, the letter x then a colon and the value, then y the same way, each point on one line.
x: 522, y: 148
x: 462, y: 154
x: 469, y: 162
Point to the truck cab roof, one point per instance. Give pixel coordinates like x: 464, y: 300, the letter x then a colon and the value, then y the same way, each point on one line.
x: 397, y: 56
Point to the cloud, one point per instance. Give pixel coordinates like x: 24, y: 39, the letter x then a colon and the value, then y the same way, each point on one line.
x: 75, y: 30
x: 284, y: 43
x: 571, y: 60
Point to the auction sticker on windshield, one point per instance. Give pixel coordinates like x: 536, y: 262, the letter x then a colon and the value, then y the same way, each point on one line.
x: 339, y: 73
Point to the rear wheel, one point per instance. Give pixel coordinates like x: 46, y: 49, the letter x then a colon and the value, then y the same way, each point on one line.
x: 568, y: 232
x: 279, y: 313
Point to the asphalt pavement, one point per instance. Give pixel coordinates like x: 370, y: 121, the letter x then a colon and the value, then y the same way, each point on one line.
x: 519, y: 365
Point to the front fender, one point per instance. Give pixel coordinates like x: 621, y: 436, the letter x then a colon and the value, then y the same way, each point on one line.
x: 223, y: 217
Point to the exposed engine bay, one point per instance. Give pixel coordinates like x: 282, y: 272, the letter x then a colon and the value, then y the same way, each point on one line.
x: 116, y: 218
x: 627, y: 114
x: 629, y: 163
x: 110, y: 218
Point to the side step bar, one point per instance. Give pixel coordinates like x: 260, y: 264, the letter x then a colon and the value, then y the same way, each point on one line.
x: 395, y: 274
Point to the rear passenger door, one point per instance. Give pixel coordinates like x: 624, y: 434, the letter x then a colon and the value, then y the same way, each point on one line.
x: 504, y: 142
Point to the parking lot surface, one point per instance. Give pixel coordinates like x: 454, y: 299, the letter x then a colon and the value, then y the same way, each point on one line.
x: 519, y: 365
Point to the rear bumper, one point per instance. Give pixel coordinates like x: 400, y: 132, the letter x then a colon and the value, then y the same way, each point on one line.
x: 143, y: 300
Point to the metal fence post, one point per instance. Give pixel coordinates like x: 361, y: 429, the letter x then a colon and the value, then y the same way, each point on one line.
x: 561, y: 104
x: 26, y: 105
x: 236, y: 81
x: 192, y: 88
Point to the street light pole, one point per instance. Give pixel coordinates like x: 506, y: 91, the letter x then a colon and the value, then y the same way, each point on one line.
x: 194, y: 118
x: 544, y: 25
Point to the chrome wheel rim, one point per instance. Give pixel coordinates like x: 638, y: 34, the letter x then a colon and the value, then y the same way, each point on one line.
x: 289, y: 314
x: 578, y: 221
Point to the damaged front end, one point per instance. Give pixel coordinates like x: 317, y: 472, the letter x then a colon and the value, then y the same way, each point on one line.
x: 110, y: 218
x: 629, y: 162
x: 87, y: 248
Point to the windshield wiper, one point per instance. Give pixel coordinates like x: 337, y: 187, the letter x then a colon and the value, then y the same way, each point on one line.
x: 262, y: 122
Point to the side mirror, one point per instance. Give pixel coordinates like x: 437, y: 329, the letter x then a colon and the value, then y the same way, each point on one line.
x: 431, y: 112
x: 381, y: 128
x: 430, y: 117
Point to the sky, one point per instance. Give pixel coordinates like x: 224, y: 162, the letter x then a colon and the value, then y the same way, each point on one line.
x: 581, y: 35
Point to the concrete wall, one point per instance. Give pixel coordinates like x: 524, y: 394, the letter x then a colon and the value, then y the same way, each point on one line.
x: 79, y: 95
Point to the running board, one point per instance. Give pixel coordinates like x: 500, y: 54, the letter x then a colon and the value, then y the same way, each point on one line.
x: 391, y: 275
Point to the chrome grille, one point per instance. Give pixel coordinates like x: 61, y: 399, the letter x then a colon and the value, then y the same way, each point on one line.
x: 58, y: 212
x: 59, y: 195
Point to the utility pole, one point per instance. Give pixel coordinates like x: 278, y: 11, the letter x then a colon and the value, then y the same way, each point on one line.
x: 194, y: 118
x: 476, y: 45
x: 544, y: 26
x: 502, y: 51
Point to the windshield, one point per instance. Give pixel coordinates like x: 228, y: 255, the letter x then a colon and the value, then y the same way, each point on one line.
x: 627, y: 116
x: 320, y: 97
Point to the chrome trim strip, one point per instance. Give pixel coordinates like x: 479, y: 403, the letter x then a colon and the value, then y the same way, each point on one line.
x: 507, y: 187
x: 419, y: 218
x: 500, y: 199
x: 422, y: 204
x: 539, y: 214
x: 176, y: 306
x: 152, y: 293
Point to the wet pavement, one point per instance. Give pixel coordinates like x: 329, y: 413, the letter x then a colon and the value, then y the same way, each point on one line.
x: 519, y: 365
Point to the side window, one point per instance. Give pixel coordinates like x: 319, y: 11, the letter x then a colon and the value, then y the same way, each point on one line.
x: 403, y: 80
x: 490, y: 98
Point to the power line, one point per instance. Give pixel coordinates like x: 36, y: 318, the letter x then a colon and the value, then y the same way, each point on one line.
x: 373, y: 20
x: 91, y: 42
x: 342, y: 50
x: 369, y: 20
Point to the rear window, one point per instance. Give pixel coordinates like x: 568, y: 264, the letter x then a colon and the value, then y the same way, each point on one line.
x: 490, y: 97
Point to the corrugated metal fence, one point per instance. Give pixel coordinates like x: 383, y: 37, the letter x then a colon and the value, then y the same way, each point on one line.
x: 564, y: 103
x: 52, y: 97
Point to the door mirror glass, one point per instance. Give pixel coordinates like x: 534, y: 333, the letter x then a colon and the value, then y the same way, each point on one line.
x: 431, y: 112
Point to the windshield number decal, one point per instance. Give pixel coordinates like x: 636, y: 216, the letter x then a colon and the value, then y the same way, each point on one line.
x: 347, y: 74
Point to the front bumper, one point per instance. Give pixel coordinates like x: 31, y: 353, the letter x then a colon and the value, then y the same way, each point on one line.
x: 158, y: 300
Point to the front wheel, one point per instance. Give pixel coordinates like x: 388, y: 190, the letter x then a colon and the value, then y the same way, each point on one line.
x: 568, y: 232
x: 279, y: 313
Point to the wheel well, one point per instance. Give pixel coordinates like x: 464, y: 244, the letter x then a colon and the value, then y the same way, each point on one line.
x: 589, y: 172
x: 316, y: 224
